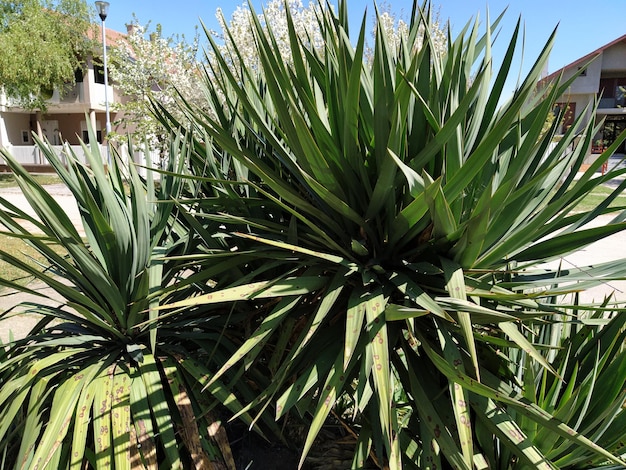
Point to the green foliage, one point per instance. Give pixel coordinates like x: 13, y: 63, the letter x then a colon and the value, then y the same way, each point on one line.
x: 586, y: 348
x: 43, y: 42
x: 378, y: 213
x: 335, y: 236
x: 102, y: 379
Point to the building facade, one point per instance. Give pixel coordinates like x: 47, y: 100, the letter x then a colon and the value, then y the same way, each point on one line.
x: 602, y: 77
x: 66, y: 119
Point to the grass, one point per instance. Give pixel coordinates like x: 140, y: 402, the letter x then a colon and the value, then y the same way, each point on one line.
x: 26, y: 253
x: 16, y: 246
x: 597, y: 196
x: 7, y: 180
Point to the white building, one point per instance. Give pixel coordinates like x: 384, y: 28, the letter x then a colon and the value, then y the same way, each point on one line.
x: 605, y: 80
x: 65, y: 120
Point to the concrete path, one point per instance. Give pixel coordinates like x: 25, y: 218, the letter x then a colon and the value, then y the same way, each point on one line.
x: 19, y: 324
x: 609, y: 249
x: 61, y: 194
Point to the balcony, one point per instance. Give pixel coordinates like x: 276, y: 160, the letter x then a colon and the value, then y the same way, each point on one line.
x: 607, y: 103
x: 72, y: 100
x: 29, y: 155
x: 73, y: 95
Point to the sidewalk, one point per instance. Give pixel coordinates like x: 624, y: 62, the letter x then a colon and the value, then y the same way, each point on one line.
x: 61, y: 194
x: 609, y: 249
x: 20, y: 323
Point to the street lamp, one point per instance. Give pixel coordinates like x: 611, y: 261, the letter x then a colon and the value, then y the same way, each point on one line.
x: 103, y: 11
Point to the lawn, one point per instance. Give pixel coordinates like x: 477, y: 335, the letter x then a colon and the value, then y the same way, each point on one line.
x: 15, y: 246
x: 7, y: 180
x: 596, y: 197
x: 21, y: 250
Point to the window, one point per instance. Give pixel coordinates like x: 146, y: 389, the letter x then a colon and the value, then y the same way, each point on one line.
x: 78, y: 75
x: 620, y: 96
x: 582, y: 72
x: 620, y: 92
x: 98, y: 136
x: 98, y: 74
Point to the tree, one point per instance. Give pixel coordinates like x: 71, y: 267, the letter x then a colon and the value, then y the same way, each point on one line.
x: 238, y: 38
x: 43, y: 43
x: 397, y: 30
x: 148, y: 68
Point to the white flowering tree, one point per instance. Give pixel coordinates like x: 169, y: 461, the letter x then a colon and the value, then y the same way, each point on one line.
x: 397, y: 30
x: 240, y: 35
x: 148, y: 68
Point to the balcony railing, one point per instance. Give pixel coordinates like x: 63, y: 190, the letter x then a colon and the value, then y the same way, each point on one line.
x: 29, y: 155
x: 619, y: 102
x: 72, y: 95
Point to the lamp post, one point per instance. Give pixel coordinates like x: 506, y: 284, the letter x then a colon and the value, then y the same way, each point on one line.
x: 103, y: 11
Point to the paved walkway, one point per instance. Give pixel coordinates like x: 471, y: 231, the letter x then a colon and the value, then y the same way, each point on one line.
x: 61, y: 194
x: 18, y: 323
x: 608, y: 249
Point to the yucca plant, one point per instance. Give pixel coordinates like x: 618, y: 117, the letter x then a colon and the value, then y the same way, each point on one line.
x: 103, y: 380
x: 383, y: 209
x: 587, y: 349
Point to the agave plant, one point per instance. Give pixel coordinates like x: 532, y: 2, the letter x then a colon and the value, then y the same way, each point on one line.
x: 378, y: 212
x: 102, y: 379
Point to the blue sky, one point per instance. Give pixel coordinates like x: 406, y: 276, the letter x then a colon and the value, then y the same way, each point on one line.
x: 584, y: 25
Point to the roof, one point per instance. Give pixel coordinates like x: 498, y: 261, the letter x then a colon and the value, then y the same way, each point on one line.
x: 583, y: 60
x: 113, y: 37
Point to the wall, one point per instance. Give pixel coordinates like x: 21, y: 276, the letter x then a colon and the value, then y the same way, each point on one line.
x: 587, y: 83
x: 14, y: 124
x: 4, y: 138
x: 70, y: 126
x: 614, y: 58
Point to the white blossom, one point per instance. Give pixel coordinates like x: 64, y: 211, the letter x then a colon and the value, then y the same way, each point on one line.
x: 149, y: 67
x: 237, y: 34
x: 145, y: 67
x: 397, y: 32
x: 241, y: 37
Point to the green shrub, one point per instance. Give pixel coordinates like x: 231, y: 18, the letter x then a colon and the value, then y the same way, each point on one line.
x: 103, y: 379
x: 335, y: 237
x: 378, y: 214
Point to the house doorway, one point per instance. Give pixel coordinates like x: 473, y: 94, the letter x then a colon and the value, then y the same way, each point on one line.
x: 50, y: 130
x: 613, y: 127
x: 84, y: 132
